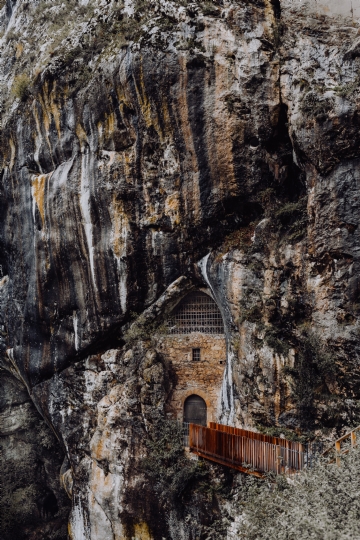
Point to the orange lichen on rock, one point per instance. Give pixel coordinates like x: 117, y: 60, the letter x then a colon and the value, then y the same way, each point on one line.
x: 38, y: 193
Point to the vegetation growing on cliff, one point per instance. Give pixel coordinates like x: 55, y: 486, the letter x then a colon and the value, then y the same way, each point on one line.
x: 21, y: 86
x: 166, y: 463
x: 75, y: 37
x: 143, y: 329
x: 321, y: 503
x: 314, y: 369
x: 293, y: 219
x: 194, y: 487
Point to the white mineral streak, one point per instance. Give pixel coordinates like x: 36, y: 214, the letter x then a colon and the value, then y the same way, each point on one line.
x: 85, y: 209
x: 10, y: 353
x: 76, y: 333
x: 105, y: 504
x: 77, y: 526
x: 122, y: 286
x: 61, y: 175
x: 203, y: 267
x: 119, y: 240
x: 227, y: 409
x: 122, y: 283
x: 178, y: 530
x: 227, y: 392
x: 100, y: 523
x: 12, y: 366
x: 38, y: 141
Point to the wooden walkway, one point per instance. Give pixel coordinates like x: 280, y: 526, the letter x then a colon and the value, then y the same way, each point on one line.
x: 258, y: 454
x: 246, y: 451
x: 338, y: 449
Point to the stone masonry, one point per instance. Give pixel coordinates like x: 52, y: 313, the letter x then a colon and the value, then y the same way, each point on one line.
x: 203, y: 377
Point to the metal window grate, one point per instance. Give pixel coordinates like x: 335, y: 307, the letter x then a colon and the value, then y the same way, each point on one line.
x: 196, y: 313
x: 196, y: 355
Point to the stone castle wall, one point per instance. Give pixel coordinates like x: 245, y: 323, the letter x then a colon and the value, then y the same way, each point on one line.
x: 203, y: 377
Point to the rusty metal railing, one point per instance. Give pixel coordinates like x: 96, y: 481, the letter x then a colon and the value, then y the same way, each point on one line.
x: 245, y: 450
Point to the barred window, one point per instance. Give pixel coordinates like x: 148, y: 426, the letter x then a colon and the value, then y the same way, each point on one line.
x: 197, y: 312
x: 196, y: 355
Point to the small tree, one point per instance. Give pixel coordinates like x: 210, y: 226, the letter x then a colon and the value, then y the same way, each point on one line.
x: 166, y: 463
x: 322, y: 503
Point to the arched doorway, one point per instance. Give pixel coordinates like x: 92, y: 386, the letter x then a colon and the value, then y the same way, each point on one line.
x: 195, y: 410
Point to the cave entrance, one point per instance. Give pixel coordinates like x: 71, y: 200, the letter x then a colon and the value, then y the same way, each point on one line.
x: 195, y: 410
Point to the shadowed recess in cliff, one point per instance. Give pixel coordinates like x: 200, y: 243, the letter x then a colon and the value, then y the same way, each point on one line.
x: 288, y: 178
x: 277, y: 8
x: 200, y: 130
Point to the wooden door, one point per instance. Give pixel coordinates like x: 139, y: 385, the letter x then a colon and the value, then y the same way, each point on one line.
x: 195, y: 410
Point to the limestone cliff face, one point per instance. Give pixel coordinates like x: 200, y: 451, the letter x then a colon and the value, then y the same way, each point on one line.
x: 149, y: 149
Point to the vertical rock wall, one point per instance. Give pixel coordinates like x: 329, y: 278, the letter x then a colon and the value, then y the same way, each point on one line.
x: 33, y: 504
x: 210, y: 144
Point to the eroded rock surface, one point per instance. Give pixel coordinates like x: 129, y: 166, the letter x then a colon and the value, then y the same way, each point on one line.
x: 33, y: 504
x: 149, y: 152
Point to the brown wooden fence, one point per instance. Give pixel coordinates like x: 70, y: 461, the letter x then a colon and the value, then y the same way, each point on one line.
x: 245, y: 450
x: 338, y: 450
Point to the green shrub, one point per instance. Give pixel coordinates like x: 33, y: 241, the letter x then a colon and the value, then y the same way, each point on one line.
x: 293, y: 219
x: 193, y: 488
x: 216, y: 531
x: 166, y: 463
x: 348, y: 89
x: 21, y: 87
x: 208, y: 8
x: 277, y: 431
x: 274, y: 338
x: 290, y: 210
x: 314, y: 366
x: 322, y: 503
x: 315, y: 106
x: 253, y: 315
x: 143, y: 329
